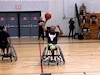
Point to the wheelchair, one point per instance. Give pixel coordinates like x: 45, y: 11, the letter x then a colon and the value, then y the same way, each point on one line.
x: 11, y: 54
x: 52, y: 56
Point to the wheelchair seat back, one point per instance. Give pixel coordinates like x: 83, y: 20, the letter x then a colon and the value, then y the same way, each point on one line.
x: 3, y: 44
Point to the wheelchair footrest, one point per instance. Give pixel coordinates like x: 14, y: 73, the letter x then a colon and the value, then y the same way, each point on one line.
x: 6, y: 55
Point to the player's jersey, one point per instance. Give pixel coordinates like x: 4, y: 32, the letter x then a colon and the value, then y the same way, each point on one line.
x: 52, y: 36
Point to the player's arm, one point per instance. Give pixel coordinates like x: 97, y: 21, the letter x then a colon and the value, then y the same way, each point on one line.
x: 60, y: 30
x: 9, y: 40
x: 44, y: 27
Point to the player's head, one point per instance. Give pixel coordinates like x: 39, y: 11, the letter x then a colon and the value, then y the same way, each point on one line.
x: 52, y: 28
x: 4, y: 28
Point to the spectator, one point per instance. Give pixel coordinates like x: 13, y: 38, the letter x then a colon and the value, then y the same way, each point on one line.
x: 85, y: 29
x: 71, y: 27
x: 93, y: 19
x: 99, y: 35
x: 80, y: 36
x: 83, y: 17
x: 41, y: 32
x: 82, y: 8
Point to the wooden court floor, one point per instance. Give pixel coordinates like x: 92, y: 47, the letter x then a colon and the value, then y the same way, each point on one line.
x: 82, y: 58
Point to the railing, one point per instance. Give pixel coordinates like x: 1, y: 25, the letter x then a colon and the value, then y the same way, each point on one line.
x: 77, y: 15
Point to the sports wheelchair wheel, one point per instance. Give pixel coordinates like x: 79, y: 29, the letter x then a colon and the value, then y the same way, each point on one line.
x: 52, y: 56
x: 42, y: 57
x: 62, y: 55
x: 0, y: 52
x: 12, y: 52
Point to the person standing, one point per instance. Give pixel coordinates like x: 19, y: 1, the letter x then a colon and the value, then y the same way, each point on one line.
x: 71, y: 27
x: 41, y: 32
x: 82, y: 8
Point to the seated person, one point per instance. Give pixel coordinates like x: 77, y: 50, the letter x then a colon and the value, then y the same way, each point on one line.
x: 80, y: 36
x: 93, y: 19
x: 85, y: 29
x: 99, y: 35
x: 4, y: 40
x: 52, y: 36
x: 83, y: 17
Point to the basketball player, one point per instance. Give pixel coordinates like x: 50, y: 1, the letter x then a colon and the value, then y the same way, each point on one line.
x: 52, y: 34
x: 52, y: 37
x: 5, y: 40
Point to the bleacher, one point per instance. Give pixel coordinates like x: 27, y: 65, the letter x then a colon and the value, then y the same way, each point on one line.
x: 93, y: 29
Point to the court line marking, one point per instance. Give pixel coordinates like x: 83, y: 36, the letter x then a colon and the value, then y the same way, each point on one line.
x: 85, y: 72
x: 40, y: 58
x: 58, y: 43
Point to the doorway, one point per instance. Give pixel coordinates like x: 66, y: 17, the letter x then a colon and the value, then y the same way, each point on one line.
x: 21, y: 24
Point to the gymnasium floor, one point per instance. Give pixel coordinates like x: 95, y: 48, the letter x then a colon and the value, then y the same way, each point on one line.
x: 82, y: 58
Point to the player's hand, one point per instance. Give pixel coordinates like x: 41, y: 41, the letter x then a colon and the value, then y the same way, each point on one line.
x: 58, y: 26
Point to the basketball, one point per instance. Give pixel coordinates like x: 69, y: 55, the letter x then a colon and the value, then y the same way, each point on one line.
x: 47, y: 16
x: 52, y: 47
